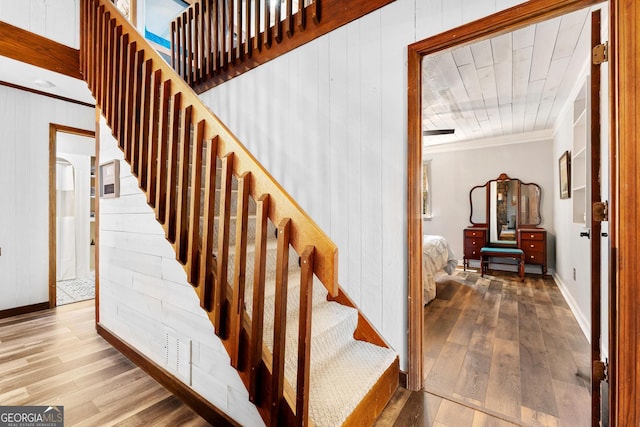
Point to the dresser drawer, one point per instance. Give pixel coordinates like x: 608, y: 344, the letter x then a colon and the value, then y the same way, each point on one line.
x: 534, y: 258
x: 532, y: 245
x: 479, y: 234
x: 532, y: 235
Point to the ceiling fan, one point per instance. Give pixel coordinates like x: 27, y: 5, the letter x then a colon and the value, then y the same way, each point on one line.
x: 435, y: 132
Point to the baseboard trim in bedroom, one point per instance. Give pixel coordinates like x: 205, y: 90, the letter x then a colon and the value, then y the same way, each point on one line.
x: 583, y: 321
x: 190, y: 397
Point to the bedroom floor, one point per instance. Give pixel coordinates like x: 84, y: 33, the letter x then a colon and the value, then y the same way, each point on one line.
x: 498, y: 352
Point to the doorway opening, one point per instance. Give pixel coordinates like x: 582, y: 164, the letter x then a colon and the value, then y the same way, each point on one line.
x: 496, y: 25
x: 72, y: 215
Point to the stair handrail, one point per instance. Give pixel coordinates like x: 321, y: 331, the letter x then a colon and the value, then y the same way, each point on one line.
x: 304, y: 231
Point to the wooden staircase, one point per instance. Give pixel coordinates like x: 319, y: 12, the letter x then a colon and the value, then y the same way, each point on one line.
x: 262, y: 269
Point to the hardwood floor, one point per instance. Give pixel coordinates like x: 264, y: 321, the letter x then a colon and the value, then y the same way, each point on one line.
x: 55, y: 357
x: 498, y: 352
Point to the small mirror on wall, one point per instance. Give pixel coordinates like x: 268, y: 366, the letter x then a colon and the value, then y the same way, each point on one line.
x: 565, y: 175
x: 110, y: 179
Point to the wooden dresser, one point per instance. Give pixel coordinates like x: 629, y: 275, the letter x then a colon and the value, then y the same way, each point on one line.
x: 533, y: 241
x: 474, y: 239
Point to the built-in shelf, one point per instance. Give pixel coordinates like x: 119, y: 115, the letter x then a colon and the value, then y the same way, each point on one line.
x: 579, y: 156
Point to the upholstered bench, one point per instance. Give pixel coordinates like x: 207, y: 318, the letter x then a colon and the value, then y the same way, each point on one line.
x: 488, y: 252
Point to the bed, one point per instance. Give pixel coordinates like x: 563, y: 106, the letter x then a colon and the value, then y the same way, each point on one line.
x: 437, y: 257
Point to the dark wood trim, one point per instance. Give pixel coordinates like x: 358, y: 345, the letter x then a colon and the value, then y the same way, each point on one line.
x: 97, y: 217
x: 335, y: 14
x: 53, y: 130
x: 50, y: 95
x: 25, y: 46
x: 190, y: 397
x: 595, y: 242
x: 10, y: 312
x: 507, y: 20
x: 625, y: 217
x: 613, y: 209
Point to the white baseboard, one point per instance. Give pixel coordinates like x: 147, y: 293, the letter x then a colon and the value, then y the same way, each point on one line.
x: 583, y: 321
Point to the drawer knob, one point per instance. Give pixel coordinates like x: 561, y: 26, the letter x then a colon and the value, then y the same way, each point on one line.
x: 532, y: 236
x: 473, y: 243
x: 532, y: 246
x: 531, y: 257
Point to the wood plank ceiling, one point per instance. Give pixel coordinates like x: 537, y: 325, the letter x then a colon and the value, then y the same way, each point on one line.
x: 510, y: 84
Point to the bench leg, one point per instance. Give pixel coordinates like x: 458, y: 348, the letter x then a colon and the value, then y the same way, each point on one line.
x: 521, y: 268
x: 484, y: 263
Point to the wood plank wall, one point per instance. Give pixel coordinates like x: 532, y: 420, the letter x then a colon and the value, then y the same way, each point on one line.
x: 328, y: 120
x: 24, y: 172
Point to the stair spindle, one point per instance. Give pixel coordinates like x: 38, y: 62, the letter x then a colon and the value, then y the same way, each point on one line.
x: 304, y: 336
x: 289, y: 18
x: 172, y: 165
x: 220, y: 290
x: 121, y: 44
x: 152, y: 161
x: 182, y: 220
x: 277, y: 26
x: 146, y: 123
x: 205, y: 280
x: 133, y: 149
x: 280, y: 320
x: 163, y: 147
x: 127, y: 133
x: 259, y: 272
x: 193, y: 248
x: 239, y: 270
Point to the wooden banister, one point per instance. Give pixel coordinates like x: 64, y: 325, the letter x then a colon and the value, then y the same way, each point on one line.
x: 215, y: 40
x: 174, y: 145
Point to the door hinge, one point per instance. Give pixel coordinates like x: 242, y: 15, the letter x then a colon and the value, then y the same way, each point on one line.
x: 601, y: 211
x: 600, y: 371
x: 600, y: 53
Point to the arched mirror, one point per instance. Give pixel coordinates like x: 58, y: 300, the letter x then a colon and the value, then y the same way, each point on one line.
x: 503, y: 205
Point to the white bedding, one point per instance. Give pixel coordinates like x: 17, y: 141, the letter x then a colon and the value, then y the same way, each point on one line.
x: 437, y: 256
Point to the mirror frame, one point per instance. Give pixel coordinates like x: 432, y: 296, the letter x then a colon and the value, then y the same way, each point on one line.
x: 486, y: 185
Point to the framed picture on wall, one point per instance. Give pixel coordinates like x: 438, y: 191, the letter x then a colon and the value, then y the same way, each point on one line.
x: 565, y: 175
x: 110, y: 179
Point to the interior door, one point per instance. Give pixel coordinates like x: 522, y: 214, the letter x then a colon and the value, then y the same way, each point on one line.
x: 599, y: 240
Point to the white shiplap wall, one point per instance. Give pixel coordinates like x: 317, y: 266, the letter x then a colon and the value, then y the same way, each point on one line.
x: 329, y: 121
x: 58, y: 20
x: 24, y: 190
x: 144, y: 294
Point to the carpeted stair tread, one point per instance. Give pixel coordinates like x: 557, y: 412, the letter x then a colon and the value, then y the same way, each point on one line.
x: 338, y: 386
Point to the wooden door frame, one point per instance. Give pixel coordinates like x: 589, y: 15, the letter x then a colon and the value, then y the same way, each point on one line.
x: 624, y: 178
x: 53, y: 131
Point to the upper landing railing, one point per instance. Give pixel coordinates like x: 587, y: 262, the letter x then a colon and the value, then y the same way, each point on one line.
x: 213, y: 41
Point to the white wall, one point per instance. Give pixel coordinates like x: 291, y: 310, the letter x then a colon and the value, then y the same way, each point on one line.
x: 454, y: 173
x: 144, y: 294
x: 329, y: 121
x: 58, y: 20
x: 24, y: 190
x: 574, y: 251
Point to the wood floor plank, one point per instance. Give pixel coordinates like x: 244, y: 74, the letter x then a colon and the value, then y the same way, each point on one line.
x: 56, y: 357
x: 451, y: 414
x: 503, y: 388
x: 443, y: 376
x: 473, y: 378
